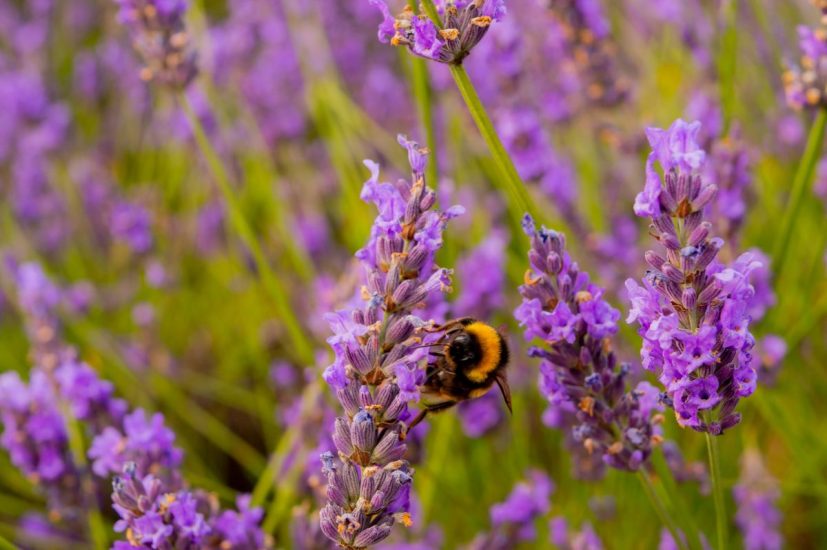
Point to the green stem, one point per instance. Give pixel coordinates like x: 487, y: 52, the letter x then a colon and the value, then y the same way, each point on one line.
x: 717, y: 490
x: 272, y: 284
x: 514, y: 187
x: 660, y: 509
x: 433, y: 13
x: 422, y: 95
x: 6, y: 545
x: 803, y: 179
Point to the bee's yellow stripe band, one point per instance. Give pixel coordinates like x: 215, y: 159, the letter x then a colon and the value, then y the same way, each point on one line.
x: 490, y: 344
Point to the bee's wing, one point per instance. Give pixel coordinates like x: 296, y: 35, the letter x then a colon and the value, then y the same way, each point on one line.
x: 502, y: 382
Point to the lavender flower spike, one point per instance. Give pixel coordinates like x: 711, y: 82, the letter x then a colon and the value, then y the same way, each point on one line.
x: 579, y: 374
x: 160, y: 36
x: 463, y: 25
x: 379, y: 359
x: 693, y: 311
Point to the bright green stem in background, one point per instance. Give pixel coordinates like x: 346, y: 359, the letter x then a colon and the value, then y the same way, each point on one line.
x: 660, y: 508
x: 801, y: 182
x: 271, y: 282
x: 717, y: 490
x: 514, y: 187
x: 6, y: 545
x: 727, y: 62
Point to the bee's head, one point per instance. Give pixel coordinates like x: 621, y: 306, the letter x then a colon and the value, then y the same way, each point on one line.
x: 464, y: 350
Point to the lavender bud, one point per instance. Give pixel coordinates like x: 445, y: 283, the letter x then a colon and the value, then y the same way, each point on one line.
x: 372, y: 535
x: 363, y: 432
x: 341, y: 437
x: 688, y: 298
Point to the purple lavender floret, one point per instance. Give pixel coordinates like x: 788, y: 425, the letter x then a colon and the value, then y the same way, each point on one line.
x: 756, y: 496
x: 379, y: 358
x: 463, y: 24
x: 693, y: 312
x: 159, y: 35
x: 579, y: 374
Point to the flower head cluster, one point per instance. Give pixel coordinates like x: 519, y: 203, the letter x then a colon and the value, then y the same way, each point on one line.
x: 693, y: 311
x: 756, y: 495
x: 805, y: 83
x: 580, y: 375
x: 153, y: 516
x: 160, y: 36
x: 379, y: 358
x: 463, y: 23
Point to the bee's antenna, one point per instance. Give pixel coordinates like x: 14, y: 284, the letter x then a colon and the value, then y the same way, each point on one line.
x: 434, y: 345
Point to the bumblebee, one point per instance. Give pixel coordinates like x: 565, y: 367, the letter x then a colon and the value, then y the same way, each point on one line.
x: 471, y: 357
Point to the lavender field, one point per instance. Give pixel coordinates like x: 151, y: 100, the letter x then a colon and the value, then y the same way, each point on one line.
x: 475, y: 274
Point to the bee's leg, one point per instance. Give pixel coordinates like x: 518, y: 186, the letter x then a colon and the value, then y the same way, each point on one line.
x: 452, y: 325
x: 505, y: 389
x: 423, y: 413
x: 417, y: 419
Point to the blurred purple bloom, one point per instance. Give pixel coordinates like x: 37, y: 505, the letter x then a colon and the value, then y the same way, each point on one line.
x: 528, y: 500
x: 756, y: 496
x: 160, y: 36
x: 563, y: 538
x: 804, y: 83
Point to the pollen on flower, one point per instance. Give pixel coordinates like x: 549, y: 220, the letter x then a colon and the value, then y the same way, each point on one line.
x: 587, y: 405
x: 583, y: 296
x: 482, y: 21
x: 449, y: 34
x: 405, y: 519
